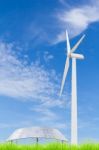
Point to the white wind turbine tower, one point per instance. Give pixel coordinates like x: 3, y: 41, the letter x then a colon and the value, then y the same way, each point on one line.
x: 73, y: 56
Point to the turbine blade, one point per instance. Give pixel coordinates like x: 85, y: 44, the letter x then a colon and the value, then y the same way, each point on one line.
x: 68, y: 43
x: 77, y: 44
x: 64, y: 75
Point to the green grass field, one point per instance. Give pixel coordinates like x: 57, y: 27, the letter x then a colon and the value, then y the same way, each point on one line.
x: 51, y: 146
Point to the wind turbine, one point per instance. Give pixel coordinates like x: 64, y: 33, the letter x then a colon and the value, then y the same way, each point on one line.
x: 73, y: 56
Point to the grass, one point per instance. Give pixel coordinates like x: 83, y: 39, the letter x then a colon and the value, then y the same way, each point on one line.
x: 51, y: 146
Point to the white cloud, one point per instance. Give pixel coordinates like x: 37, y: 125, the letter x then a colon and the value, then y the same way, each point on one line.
x: 62, y: 1
x: 19, y: 80
x: 46, y: 113
x: 77, y: 19
x: 30, y: 83
x: 48, y: 117
x: 27, y: 82
x: 48, y: 56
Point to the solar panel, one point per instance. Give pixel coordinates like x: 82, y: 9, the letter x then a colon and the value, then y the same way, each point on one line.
x: 37, y: 132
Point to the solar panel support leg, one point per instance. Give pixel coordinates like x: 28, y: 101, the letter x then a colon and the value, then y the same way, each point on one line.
x: 37, y: 140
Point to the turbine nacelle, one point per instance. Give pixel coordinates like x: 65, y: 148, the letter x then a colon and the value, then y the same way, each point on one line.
x: 77, y: 56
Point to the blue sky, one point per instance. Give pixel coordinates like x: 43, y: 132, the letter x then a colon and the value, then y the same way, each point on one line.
x: 32, y: 58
